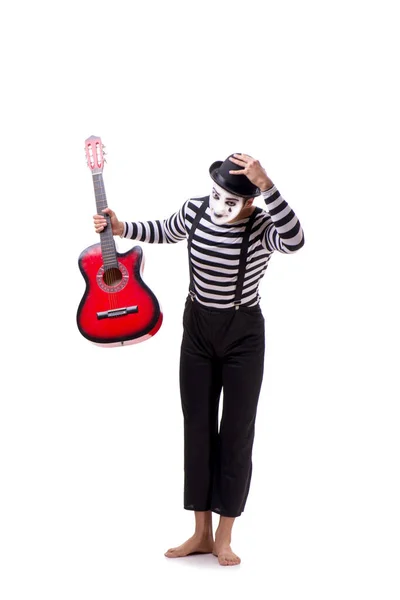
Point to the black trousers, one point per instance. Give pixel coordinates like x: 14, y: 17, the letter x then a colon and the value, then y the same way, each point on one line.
x: 222, y: 349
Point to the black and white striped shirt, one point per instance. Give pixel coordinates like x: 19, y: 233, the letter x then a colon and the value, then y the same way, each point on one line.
x: 215, y: 249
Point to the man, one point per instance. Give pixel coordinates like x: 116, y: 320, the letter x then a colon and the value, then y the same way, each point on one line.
x: 230, y: 243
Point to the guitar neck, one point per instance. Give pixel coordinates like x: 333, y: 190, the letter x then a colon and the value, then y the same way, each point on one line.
x: 108, y: 249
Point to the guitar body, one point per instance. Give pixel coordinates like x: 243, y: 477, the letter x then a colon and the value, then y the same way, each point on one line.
x: 117, y: 307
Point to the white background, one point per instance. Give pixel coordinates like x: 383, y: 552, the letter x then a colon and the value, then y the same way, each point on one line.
x: 91, y: 468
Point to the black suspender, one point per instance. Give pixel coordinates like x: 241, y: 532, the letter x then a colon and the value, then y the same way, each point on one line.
x: 243, y: 257
x: 243, y: 250
x: 196, y: 220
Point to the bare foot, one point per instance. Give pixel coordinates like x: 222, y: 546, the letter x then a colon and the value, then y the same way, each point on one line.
x: 193, y: 545
x: 225, y: 556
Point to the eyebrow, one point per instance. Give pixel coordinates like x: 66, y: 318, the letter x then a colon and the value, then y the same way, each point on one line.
x: 228, y: 198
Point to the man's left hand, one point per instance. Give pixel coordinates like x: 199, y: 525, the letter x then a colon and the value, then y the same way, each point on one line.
x: 252, y: 169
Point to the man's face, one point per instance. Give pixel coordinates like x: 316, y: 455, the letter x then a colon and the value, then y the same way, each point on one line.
x: 224, y: 206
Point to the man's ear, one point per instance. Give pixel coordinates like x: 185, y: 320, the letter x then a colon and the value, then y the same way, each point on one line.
x: 248, y: 202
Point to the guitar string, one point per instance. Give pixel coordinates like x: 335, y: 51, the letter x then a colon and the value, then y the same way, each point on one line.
x: 108, y: 274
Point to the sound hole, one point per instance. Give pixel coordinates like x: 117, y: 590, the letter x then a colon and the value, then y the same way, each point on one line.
x: 112, y: 276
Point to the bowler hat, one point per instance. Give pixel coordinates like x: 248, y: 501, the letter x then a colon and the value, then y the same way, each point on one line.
x: 239, y: 185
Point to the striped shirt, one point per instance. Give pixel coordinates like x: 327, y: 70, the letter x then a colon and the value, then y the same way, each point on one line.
x: 215, y: 249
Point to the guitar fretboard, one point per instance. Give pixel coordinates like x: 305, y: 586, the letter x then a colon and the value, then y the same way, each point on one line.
x: 108, y: 249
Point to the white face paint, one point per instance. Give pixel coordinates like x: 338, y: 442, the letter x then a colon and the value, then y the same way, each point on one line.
x: 224, y: 206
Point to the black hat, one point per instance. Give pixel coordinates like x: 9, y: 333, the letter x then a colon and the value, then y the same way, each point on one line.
x: 239, y: 185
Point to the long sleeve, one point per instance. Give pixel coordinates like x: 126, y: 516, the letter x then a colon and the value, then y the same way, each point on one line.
x: 167, y: 231
x: 284, y: 233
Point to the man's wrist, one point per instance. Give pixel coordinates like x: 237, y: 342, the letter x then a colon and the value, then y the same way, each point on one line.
x: 266, y: 184
x: 121, y: 229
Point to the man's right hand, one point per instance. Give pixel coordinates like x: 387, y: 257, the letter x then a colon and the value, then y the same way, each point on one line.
x: 100, y: 222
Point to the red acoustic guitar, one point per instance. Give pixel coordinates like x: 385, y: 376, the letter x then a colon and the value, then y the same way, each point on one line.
x: 117, y: 307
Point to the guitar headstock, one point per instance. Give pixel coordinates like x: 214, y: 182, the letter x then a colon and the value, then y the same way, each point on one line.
x: 94, y: 154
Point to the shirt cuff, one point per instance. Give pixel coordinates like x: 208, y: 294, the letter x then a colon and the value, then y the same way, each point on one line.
x: 268, y: 193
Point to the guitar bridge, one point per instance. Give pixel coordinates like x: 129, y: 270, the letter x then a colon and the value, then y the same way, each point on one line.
x: 117, y: 312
